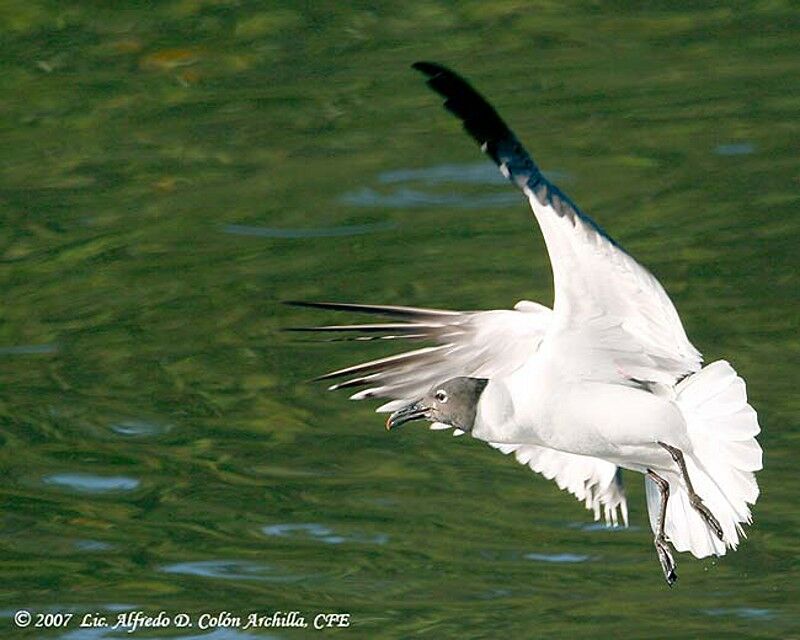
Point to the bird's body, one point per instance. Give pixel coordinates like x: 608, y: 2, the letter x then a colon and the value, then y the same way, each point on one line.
x: 616, y: 423
x: 607, y: 378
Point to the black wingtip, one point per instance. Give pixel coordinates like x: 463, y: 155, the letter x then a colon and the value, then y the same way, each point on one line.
x: 482, y: 122
x: 396, y: 311
x: 329, y: 306
x: 430, y: 68
x: 299, y: 303
x: 479, y: 118
x: 313, y: 304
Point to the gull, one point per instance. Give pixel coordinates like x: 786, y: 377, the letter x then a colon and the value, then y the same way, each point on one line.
x: 605, y: 379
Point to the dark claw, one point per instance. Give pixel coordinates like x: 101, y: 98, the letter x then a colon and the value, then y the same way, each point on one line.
x: 696, y: 501
x: 709, y: 517
x: 667, y: 561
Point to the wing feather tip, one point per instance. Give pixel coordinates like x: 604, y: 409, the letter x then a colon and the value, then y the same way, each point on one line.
x: 427, y: 67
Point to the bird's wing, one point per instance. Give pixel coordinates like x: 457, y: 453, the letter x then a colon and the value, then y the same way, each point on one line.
x: 595, y: 482
x: 481, y: 344
x: 606, y: 304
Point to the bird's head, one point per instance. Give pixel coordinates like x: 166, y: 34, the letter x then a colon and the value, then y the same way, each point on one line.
x: 454, y: 402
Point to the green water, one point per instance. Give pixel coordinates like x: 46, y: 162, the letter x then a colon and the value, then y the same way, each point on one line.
x: 170, y: 171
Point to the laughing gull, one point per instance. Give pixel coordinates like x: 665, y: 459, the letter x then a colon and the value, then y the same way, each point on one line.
x: 605, y: 379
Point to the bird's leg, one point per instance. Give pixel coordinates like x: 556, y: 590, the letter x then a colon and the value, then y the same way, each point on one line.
x: 696, y: 501
x: 660, y: 541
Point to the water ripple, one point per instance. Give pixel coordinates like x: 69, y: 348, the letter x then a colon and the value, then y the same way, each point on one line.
x: 321, y: 533
x: 139, y: 428
x: 735, y: 149
x: 473, y: 173
x: 561, y: 558
x: 602, y: 526
x: 748, y: 613
x: 468, y: 173
x: 111, y: 634
x: 92, y: 545
x: 88, y: 483
x: 411, y: 198
x: 311, y: 232
x: 483, y: 173
x: 28, y: 349
x: 229, y: 570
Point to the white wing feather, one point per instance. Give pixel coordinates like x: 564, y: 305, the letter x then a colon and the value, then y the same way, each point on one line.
x: 597, y: 483
x: 471, y: 343
x: 606, y: 304
x: 478, y: 344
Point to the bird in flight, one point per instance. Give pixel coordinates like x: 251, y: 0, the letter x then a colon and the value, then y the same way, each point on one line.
x: 603, y: 380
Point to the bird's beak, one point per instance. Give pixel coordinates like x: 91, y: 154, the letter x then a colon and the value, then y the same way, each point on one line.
x: 414, y: 411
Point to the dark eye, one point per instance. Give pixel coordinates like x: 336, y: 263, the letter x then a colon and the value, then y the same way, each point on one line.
x: 441, y: 396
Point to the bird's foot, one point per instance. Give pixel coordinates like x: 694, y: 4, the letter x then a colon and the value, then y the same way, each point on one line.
x: 666, y: 559
x: 709, y: 517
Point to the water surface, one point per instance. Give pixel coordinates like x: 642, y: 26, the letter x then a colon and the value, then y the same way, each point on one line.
x: 170, y: 172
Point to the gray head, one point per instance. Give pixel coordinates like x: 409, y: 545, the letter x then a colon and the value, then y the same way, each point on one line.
x: 454, y: 402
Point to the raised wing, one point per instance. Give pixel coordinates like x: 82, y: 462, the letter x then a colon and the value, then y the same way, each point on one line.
x: 596, y: 482
x: 605, y: 302
x: 470, y: 343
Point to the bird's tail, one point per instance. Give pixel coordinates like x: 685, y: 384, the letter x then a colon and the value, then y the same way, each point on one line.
x: 725, y: 454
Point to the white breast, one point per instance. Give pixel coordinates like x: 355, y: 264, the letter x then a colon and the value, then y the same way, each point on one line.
x: 588, y: 418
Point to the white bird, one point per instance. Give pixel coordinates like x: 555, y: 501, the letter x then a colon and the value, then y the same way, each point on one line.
x: 607, y: 378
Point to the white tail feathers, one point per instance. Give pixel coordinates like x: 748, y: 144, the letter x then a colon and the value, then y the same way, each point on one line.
x: 722, y: 429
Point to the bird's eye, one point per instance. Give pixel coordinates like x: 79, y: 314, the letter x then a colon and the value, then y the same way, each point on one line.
x: 441, y: 395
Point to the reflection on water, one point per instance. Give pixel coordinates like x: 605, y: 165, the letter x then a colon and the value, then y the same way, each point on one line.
x: 322, y: 232
x: 322, y: 534
x: 516, y: 555
x: 229, y: 570
x: 92, y: 545
x: 139, y: 428
x: 412, y: 198
x: 160, y: 442
x: 472, y: 173
x: 735, y: 149
x: 88, y: 483
x: 557, y: 557
x: 481, y: 173
x: 602, y: 526
x: 495, y: 594
x: 74, y: 609
x: 216, y: 634
x: 748, y: 613
x: 28, y: 349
